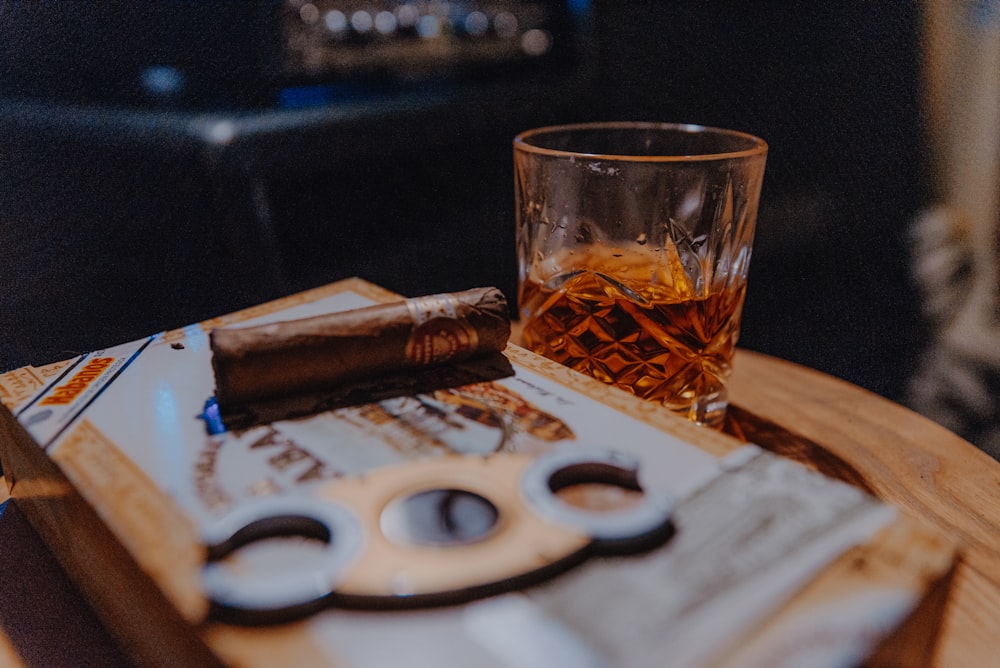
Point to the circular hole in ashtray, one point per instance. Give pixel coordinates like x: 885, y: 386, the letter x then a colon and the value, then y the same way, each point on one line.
x: 274, y: 544
x: 596, y: 487
x: 440, y: 517
x: 272, y: 554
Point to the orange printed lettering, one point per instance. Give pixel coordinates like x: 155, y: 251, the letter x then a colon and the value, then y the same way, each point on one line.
x: 67, y: 392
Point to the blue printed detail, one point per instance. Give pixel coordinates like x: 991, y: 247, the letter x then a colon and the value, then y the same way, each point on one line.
x: 212, y: 417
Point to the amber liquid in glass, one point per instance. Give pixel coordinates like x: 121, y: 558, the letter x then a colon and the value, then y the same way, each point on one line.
x: 639, y: 325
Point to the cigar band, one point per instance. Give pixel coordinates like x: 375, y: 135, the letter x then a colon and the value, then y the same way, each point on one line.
x: 438, y: 333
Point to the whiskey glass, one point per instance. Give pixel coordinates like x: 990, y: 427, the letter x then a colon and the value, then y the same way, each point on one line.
x: 633, y: 245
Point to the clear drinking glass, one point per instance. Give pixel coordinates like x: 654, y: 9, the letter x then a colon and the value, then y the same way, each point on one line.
x: 633, y: 244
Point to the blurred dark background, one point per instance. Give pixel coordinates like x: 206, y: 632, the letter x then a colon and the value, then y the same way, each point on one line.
x: 160, y: 170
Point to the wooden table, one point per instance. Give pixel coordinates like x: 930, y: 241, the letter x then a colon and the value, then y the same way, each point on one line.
x: 44, y: 619
x: 899, y: 456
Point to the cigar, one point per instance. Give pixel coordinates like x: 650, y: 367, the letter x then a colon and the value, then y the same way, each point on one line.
x: 313, y: 354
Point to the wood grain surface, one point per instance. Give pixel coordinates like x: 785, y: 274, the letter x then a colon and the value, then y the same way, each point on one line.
x: 934, y: 476
x: 940, y: 481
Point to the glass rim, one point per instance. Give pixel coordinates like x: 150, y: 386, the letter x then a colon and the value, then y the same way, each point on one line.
x: 758, y: 146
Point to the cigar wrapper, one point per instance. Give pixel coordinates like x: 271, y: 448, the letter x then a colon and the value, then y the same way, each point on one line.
x: 312, y: 354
